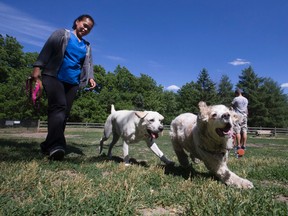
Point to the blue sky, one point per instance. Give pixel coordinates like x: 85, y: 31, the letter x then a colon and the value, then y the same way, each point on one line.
x: 169, y: 40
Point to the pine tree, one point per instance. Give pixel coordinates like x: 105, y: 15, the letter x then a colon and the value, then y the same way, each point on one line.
x: 267, y: 103
x: 225, y: 91
x: 207, y: 88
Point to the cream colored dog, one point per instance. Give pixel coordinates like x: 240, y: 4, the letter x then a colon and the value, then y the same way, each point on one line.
x: 132, y: 127
x: 207, y: 137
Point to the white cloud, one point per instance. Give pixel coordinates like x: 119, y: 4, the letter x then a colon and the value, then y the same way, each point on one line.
x: 284, y: 85
x: 115, y: 58
x: 172, y: 88
x: 239, y: 61
x: 154, y: 64
x: 23, y: 27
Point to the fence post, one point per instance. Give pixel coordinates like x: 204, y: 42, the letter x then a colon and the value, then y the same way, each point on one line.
x: 38, y: 126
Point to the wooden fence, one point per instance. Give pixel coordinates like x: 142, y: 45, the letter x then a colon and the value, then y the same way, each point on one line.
x: 258, y: 131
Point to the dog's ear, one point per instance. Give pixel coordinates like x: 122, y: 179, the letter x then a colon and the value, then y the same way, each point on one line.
x: 202, y: 104
x: 235, y: 116
x: 112, y: 108
x: 204, y: 111
x: 140, y: 114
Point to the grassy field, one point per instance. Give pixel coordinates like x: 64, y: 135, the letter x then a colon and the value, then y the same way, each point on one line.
x: 88, y: 184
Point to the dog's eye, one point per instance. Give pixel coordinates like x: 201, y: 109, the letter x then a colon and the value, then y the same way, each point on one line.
x: 151, y: 120
x: 214, y: 115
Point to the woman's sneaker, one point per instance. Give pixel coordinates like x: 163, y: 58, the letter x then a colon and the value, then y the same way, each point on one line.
x: 57, y: 153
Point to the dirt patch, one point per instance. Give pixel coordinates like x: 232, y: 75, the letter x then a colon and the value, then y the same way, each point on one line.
x: 279, y: 198
x: 282, y: 198
x: 259, y: 145
x: 254, y: 145
x: 274, y: 183
x: 159, y: 211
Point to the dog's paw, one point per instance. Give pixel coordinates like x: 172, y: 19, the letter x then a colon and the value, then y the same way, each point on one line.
x: 243, y: 183
x: 237, y: 181
x: 166, y: 160
x: 246, y: 184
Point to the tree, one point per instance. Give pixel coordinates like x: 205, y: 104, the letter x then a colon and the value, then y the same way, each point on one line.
x: 276, y: 104
x: 250, y: 83
x: 99, y: 75
x: 15, y: 67
x: 152, y: 95
x: 87, y: 108
x: 169, y: 103
x: 126, y: 81
x: 192, y: 93
x: 266, y: 100
x: 126, y: 84
x: 188, y: 98
x: 206, y: 88
x: 225, y: 91
x: 11, y: 56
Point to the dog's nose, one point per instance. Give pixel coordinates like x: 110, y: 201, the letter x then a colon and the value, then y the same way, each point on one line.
x: 226, y: 116
x: 160, y: 128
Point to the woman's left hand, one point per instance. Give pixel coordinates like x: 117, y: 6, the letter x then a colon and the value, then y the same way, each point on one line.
x: 92, y: 84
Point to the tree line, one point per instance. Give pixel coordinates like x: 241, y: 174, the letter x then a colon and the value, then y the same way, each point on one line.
x: 267, y: 101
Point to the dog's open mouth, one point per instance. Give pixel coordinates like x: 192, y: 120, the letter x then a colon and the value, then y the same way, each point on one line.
x: 226, y: 131
x: 152, y: 134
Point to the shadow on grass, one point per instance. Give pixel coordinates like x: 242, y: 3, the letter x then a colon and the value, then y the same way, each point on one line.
x: 104, y: 158
x: 12, y: 150
x: 186, y: 173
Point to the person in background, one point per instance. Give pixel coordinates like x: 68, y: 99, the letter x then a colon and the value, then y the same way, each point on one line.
x: 64, y: 64
x: 240, y: 106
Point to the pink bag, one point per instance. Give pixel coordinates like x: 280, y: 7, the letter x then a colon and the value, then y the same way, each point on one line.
x: 34, y: 90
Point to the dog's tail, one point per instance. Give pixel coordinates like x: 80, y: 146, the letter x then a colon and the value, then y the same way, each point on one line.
x: 107, y: 129
x: 106, y: 133
x: 112, y: 108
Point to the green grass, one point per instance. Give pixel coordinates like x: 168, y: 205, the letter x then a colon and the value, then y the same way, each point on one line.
x: 88, y: 184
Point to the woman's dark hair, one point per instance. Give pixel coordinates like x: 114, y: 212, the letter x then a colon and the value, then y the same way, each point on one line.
x: 81, y: 18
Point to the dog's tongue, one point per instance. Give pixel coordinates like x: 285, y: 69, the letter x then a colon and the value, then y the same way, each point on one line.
x: 229, y: 133
x: 224, y: 132
x: 154, y: 135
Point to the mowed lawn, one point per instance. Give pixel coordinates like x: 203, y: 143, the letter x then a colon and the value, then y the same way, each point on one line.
x: 86, y: 183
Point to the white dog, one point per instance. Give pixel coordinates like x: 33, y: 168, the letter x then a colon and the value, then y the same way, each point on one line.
x: 207, y: 137
x: 132, y: 127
